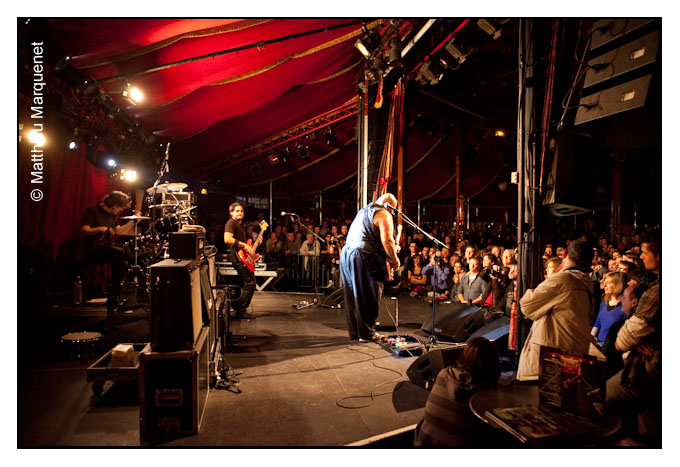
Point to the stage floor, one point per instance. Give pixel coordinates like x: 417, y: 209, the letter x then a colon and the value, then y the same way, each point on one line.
x: 303, y: 383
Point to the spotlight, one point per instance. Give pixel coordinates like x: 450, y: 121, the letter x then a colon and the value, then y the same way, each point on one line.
x: 367, y: 44
x: 36, y: 137
x: 395, y: 50
x: 303, y: 151
x: 273, y: 158
x: 285, y: 152
x: 90, y: 89
x: 73, y: 144
x: 457, y: 52
x: 499, y: 133
x: 130, y: 175
x: 330, y: 136
x: 61, y: 63
x: 256, y: 169
x: 489, y: 27
x: 111, y: 163
x: 361, y: 48
x: 204, y: 191
x: 426, y: 75
x: 133, y: 94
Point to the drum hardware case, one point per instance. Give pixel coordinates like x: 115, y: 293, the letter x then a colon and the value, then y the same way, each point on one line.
x: 173, y: 390
x: 100, y: 371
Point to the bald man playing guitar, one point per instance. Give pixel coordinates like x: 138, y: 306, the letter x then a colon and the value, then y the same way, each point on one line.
x: 369, y: 248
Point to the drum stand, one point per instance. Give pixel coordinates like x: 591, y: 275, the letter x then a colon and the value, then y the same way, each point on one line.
x: 136, y: 273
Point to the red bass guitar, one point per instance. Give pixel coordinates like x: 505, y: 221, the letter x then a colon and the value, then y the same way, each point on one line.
x: 244, y: 254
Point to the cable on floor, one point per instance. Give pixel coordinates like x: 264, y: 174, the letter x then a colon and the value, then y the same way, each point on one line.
x: 372, y: 395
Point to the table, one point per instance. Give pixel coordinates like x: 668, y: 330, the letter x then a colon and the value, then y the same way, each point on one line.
x: 521, y: 394
x: 270, y: 275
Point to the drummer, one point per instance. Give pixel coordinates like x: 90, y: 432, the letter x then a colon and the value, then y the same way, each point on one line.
x: 99, y: 225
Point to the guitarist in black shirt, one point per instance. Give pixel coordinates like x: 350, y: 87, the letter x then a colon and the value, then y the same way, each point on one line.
x: 235, y: 239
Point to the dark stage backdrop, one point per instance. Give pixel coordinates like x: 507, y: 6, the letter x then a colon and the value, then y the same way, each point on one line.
x: 70, y: 185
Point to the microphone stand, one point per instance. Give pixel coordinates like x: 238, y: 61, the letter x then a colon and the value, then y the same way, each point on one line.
x: 315, y: 273
x: 433, y: 340
x: 152, y: 194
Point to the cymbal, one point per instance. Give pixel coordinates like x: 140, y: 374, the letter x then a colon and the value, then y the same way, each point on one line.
x: 165, y: 187
x: 137, y: 218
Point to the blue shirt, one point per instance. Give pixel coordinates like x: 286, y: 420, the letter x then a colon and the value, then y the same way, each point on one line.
x: 440, y: 279
x: 605, y: 319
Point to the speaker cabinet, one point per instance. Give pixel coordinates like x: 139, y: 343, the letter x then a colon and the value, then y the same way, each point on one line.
x: 175, y: 305
x: 388, y: 314
x: 423, y: 372
x: 187, y: 245
x: 173, y: 390
x: 572, y: 180
x: 455, y: 323
x: 496, y: 331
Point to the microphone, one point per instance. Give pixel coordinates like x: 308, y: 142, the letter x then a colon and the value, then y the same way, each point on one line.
x: 388, y: 206
x: 284, y: 213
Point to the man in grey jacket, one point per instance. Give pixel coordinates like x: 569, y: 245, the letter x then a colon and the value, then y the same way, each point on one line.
x: 563, y: 311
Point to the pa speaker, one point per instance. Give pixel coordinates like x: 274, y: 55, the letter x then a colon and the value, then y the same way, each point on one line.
x: 456, y: 322
x: 423, y: 372
x: 496, y: 331
x: 572, y: 180
x: 175, y: 305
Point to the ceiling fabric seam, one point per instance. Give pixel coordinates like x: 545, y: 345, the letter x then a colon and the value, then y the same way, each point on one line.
x: 266, y: 68
x: 171, y: 40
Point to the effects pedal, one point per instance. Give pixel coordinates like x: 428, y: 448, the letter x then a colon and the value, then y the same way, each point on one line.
x: 403, y: 346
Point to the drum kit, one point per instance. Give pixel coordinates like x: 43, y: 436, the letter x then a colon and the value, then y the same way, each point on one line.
x: 170, y: 209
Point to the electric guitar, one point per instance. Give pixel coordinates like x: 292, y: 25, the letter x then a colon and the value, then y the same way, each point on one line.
x: 247, y: 258
x: 390, y: 271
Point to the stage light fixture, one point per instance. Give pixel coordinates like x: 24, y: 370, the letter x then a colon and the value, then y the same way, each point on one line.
x: 61, y: 63
x: 330, y: 136
x: 303, y: 151
x: 36, y: 137
x: 427, y: 75
x: 395, y: 50
x: 368, y: 43
x: 73, y: 144
x: 256, y: 169
x: 456, y: 51
x: 130, y: 175
x: 204, y: 191
x: 489, y: 27
x: 362, y: 48
x: 273, y: 158
x: 89, y: 89
x: 499, y: 133
x: 133, y: 94
x: 111, y: 163
x: 285, y: 152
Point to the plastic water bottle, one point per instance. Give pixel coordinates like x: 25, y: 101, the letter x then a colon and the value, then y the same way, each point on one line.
x: 78, y: 291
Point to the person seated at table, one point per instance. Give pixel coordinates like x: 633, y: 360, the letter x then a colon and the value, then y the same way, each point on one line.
x: 447, y: 420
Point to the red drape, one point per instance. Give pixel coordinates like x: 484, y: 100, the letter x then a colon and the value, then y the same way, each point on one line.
x: 70, y: 185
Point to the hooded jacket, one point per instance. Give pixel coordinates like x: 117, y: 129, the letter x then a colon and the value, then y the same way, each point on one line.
x: 563, y: 311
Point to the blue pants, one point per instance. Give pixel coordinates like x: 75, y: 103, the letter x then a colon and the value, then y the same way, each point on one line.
x: 362, y: 292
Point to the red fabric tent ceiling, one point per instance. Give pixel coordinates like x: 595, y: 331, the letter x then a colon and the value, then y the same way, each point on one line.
x: 213, y: 107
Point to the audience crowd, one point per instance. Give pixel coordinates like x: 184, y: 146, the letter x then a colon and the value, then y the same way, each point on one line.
x: 617, y: 318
